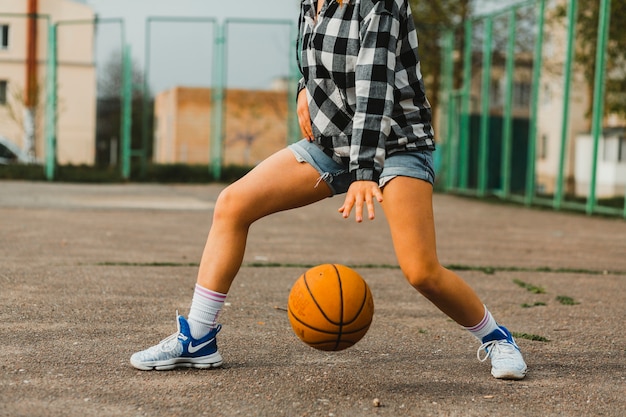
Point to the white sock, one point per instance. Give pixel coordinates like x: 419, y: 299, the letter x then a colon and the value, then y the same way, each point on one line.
x: 205, y: 308
x: 486, y: 326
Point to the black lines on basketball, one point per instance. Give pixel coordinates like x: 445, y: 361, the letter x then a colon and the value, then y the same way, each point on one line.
x: 330, y: 307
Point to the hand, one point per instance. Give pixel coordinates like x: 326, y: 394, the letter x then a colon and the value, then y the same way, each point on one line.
x: 304, y: 117
x: 361, y: 192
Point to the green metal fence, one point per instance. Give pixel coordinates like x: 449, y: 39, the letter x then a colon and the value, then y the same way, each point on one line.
x: 482, y: 152
x: 52, y: 93
x: 138, y: 154
x: 472, y: 135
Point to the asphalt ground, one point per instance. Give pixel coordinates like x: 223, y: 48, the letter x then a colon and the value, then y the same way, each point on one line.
x: 92, y: 273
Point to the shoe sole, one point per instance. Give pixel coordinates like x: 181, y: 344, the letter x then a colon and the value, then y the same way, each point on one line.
x: 516, y: 375
x: 205, y: 362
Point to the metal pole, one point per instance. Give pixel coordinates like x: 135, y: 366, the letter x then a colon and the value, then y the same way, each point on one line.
x: 221, y: 66
x: 483, y: 145
x: 598, y: 95
x: 30, y: 90
x: 534, y: 105
x: 95, y: 22
x: 217, y: 98
x: 465, y: 107
x: 507, y: 121
x: 572, y: 14
x: 145, y: 99
x: 447, y: 84
x: 292, y: 119
x: 127, y: 108
x: 51, y: 104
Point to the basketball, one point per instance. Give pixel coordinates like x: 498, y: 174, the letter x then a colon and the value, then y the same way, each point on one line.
x: 330, y: 307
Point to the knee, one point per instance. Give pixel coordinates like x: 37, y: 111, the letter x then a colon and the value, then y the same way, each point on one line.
x: 230, y: 206
x: 424, y: 276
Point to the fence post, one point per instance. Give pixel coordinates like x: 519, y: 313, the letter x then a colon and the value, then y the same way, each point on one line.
x: 572, y: 14
x: 126, y: 125
x: 465, y: 107
x: 447, y: 74
x: 51, y: 104
x: 598, y: 96
x: 293, y: 128
x: 534, y: 105
x: 217, y: 97
x: 507, y: 122
x: 485, y: 101
x: 145, y: 99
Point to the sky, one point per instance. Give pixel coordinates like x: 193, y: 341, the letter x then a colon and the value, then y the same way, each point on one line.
x: 181, y: 52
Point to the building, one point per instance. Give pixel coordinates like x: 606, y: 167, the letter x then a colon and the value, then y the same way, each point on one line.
x: 610, y: 167
x: 577, y: 153
x: 255, y: 125
x: 23, y: 77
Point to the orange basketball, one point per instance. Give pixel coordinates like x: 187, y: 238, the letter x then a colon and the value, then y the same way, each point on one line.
x: 330, y: 307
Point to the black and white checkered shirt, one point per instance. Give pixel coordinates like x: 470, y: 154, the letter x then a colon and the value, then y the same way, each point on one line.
x: 361, y: 70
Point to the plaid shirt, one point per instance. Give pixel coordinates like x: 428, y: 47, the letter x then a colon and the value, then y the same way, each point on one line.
x: 361, y: 71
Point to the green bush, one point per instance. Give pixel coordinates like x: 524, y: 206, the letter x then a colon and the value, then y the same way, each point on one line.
x: 22, y: 172
x: 161, y: 173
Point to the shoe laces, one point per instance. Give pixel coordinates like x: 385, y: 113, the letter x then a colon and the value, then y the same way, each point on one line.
x: 169, y: 343
x: 489, y: 347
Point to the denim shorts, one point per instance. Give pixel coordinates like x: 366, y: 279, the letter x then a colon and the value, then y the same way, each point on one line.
x: 413, y: 163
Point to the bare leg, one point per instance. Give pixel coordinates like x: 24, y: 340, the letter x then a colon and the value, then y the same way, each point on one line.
x: 408, y: 207
x: 278, y: 183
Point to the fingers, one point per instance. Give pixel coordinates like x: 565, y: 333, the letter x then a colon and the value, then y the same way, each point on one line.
x: 361, y: 194
x: 304, y: 117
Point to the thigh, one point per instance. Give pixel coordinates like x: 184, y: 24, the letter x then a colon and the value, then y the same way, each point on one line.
x: 407, y: 203
x: 278, y: 183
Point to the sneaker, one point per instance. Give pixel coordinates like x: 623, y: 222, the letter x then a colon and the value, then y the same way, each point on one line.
x: 180, y: 350
x: 506, y: 359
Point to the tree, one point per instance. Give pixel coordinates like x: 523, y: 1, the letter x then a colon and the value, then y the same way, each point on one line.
x: 586, y: 47
x: 19, y: 113
x: 433, y: 17
x: 110, y: 79
x: 110, y: 108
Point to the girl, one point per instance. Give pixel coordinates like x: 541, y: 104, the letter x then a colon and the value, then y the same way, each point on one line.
x: 367, y: 133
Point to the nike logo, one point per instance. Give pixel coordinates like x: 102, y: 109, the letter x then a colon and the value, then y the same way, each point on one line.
x: 194, y: 349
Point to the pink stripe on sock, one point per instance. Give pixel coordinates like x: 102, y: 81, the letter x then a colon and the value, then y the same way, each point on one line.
x: 210, y: 295
x: 480, y: 325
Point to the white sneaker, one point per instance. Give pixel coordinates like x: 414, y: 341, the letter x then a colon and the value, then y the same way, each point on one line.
x: 506, y: 359
x: 180, y: 350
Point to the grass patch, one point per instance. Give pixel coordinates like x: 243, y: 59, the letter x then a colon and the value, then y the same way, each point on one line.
x: 529, y: 287
x: 144, y: 264
x: 489, y: 270
x: 537, y: 304
x: 566, y: 301
x: 533, y: 337
x: 493, y: 269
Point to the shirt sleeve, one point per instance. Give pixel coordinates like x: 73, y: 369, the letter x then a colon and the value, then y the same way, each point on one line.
x: 374, y: 81
x: 301, y: 86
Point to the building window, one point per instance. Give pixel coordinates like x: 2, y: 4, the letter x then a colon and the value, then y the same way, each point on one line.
x: 496, y: 94
x: 3, y: 92
x: 4, y: 36
x: 521, y: 95
x: 543, y: 147
x: 619, y: 151
x: 614, y: 149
